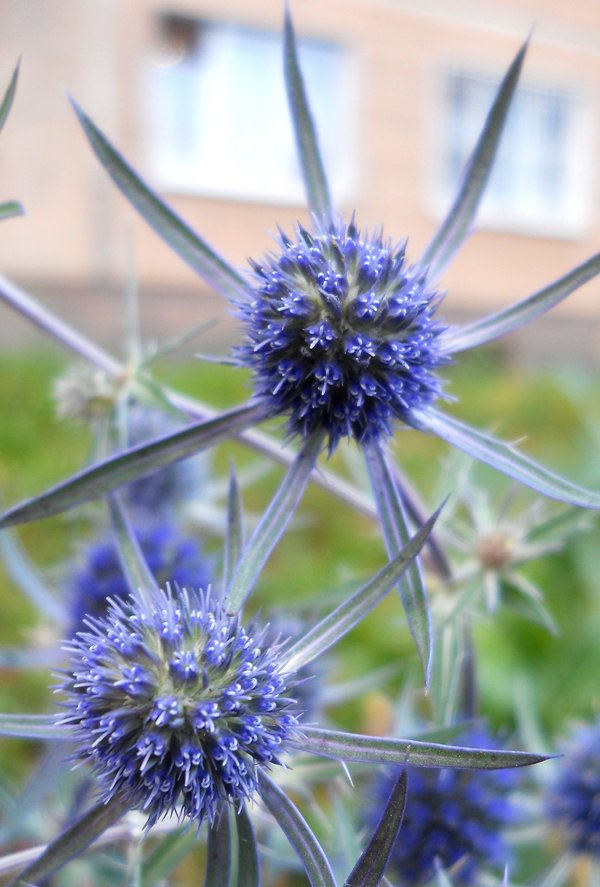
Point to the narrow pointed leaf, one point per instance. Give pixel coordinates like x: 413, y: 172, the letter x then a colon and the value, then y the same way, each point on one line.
x: 369, y: 869
x: 352, y: 611
x: 457, y: 225
x: 24, y: 573
x: 531, y: 604
x: 175, y: 343
x: 517, y: 315
x: 72, y: 842
x: 393, y: 519
x: 218, y: 851
x: 33, y: 727
x: 248, y: 874
x: 234, y: 535
x: 10, y: 209
x: 140, y: 460
x: 135, y: 567
x: 273, y: 522
x: 167, y: 224
x: 9, y: 95
x: 353, y: 747
x: 416, y: 512
x: 503, y: 457
x: 445, y: 680
x: 297, y: 831
x: 84, y: 347
x: 313, y: 171
x: 46, y: 320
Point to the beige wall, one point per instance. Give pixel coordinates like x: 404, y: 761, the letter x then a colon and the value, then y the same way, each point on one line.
x: 76, y: 229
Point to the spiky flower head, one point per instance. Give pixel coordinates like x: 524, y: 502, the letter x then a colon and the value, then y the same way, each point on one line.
x: 573, y: 799
x: 175, y: 704
x: 171, y: 557
x: 452, y: 817
x: 341, y: 333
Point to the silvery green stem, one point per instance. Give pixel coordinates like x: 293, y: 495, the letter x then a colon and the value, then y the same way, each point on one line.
x: 72, y: 842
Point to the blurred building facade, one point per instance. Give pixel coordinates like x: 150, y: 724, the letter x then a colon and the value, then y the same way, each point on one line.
x: 191, y: 93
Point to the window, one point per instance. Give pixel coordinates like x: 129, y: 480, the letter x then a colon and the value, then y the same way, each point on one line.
x: 542, y: 176
x: 218, y: 116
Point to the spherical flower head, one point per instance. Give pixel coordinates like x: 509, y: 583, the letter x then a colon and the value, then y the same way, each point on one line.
x: 341, y: 334
x: 170, y: 556
x: 573, y: 801
x: 176, y: 705
x: 452, y: 817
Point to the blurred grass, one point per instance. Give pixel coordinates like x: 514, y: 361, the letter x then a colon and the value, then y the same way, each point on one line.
x: 331, y: 548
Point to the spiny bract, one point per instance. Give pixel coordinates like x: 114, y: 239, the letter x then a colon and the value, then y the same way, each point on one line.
x: 175, y: 704
x: 342, y: 334
x: 171, y: 487
x: 452, y: 817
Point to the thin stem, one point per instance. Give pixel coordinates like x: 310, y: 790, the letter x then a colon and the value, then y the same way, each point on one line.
x: 73, y: 841
x: 75, y: 341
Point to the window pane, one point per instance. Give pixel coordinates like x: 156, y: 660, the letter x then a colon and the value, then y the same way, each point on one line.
x: 533, y: 180
x: 219, y: 118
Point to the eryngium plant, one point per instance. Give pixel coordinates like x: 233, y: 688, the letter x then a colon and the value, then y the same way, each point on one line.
x: 340, y: 309
x: 176, y: 704
x: 454, y: 819
x: 119, y: 414
x: 182, y: 707
x: 342, y: 337
x: 342, y: 334
x: 158, y: 685
x: 171, y: 557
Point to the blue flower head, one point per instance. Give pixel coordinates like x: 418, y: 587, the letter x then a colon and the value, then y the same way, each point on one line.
x: 175, y: 704
x: 341, y: 333
x: 573, y: 801
x: 452, y: 817
x: 170, y: 556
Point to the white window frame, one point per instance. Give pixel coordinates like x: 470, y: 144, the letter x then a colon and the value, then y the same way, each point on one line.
x: 220, y: 174
x: 573, y: 219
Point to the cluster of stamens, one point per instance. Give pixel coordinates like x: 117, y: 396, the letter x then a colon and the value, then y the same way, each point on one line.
x: 176, y: 704
x: 341, y: 334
